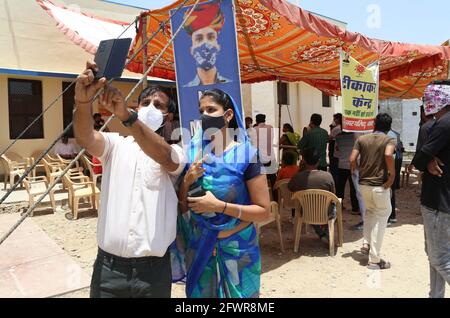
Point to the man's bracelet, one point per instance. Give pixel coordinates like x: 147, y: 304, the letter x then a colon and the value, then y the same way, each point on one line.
x: 224, y: 208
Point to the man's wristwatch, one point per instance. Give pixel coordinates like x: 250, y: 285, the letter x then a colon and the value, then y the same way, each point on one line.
x: 132, y: 119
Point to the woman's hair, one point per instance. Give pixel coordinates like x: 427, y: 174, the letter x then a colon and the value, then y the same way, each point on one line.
x: 223, y: 99
x: 288, y: 127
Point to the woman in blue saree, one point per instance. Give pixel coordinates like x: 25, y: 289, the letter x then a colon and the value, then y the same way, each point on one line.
x: 217, y: 249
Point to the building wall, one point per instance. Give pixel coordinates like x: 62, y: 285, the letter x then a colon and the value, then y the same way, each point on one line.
x: 411, y: 121
x: 53, y: 118
x: 405, y: 119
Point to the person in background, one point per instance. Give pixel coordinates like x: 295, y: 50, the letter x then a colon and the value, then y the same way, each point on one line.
x: 99, y: 122
x: 170, y: 126
x: 289, y: 166
x: 333, y: 156
x: 316, y: 138
x: 306, y: 130
x: 251, y: 131
x: 289, y: 140
x: 313, y: 178
x: 398, y: 155
x: 344, y: 144
x: 426, y: 123
x: 248, y: 122
x: 264, y: 137
x: 433, y: 160
x: 65, y: 149
x: 376, y: 177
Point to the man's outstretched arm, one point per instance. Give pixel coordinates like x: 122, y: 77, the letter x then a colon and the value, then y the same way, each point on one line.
x: 85, y: 89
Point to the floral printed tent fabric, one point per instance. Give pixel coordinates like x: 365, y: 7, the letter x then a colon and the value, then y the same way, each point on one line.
x: 278, y: 40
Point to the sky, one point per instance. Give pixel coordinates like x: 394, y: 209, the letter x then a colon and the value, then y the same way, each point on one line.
x: 410, y: 21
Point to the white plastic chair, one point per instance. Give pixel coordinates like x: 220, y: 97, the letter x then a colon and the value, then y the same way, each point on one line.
x: 312, y: 208
x: 274, y: 217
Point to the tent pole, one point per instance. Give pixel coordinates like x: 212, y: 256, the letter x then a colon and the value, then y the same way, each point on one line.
x: 279, y: 121
x: 145, y: 52
x: 279, y: 133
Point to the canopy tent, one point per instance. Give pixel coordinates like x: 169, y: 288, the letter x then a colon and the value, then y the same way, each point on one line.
x: 35, y: 32
x: 280, y: 41
x: 85, y: 29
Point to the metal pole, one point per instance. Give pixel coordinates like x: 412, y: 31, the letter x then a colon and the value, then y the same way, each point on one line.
x: 279, y: 120
x: 145, y: 53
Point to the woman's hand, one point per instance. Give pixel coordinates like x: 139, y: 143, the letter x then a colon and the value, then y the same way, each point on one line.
x: 113, y: 100
x: 206, y: 204
x: 86, y: 86
x: 194, y: 173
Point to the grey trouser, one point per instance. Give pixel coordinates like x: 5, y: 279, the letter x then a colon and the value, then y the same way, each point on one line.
x: 437, y: 245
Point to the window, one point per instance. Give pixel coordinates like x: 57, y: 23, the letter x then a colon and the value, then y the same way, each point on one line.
x: 25, y: 104
x: 68, y: 103
x: 414, y: 113
x: 326, y: 100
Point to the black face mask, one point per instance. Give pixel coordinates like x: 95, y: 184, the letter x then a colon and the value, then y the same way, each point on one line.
x: 213, y: 123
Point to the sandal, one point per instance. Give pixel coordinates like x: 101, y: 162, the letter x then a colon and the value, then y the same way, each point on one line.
x: 365, y: 250
x: 381, y: 265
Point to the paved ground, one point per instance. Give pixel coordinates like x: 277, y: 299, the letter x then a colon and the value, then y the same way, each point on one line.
x: 311, y: 273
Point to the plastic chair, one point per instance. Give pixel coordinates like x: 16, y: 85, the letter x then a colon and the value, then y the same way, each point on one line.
x: 13, y: 166
x: 79, y: 190
x: 285, y: 201
x: 284, y: 195
x: 40, y: 166
x: 406, y: 173
x: 53, y: 169
x: 274, y: 217
x: 66, y: 162
x: 35, y: 187
x: 90, y: 165
x: 312, y: 208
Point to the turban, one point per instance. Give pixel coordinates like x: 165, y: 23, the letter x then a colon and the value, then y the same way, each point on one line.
x: 207, y: 15
x: 436, y: 98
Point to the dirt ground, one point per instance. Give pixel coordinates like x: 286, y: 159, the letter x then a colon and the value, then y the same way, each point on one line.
x: 311, y: 272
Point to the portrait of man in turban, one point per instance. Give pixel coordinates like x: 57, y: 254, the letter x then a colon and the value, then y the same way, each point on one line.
x: 204, y: 26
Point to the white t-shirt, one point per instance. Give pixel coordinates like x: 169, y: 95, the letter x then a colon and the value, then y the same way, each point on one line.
x: 138, y: 208
x: 335, y: 131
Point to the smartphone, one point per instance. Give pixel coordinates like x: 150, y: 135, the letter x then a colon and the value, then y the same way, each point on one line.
x: 111, y: 57
x: 196, y: 192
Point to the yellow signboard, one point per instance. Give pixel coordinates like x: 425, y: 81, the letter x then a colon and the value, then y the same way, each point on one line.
x: 359, y: 86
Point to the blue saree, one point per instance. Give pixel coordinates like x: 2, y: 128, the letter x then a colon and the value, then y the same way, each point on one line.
x: 212, y: 267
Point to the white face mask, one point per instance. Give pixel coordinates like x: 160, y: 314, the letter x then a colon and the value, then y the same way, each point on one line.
x: 151, y: 117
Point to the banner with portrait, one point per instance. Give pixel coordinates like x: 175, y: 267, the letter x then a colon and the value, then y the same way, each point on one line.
x: 359, y: 86
x: 206, y: 57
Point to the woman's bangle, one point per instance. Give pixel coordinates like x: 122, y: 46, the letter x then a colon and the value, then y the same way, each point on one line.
x: 224, y: 208
x: 240, y: 212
